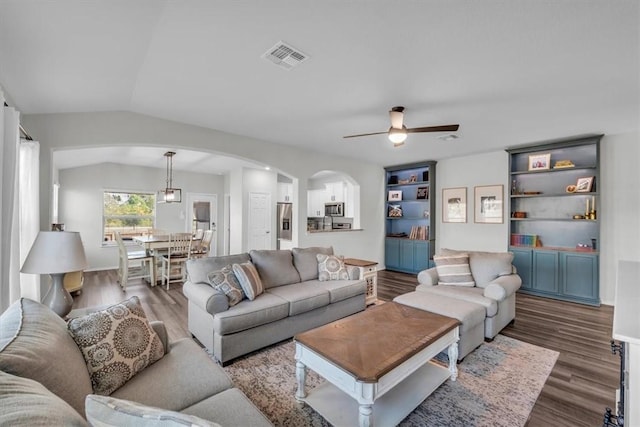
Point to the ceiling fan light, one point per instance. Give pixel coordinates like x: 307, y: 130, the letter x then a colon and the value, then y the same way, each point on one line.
x: 397, y: 136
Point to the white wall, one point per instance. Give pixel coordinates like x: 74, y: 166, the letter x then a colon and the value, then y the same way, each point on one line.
x: 470, y: 171
x: 81, y: 201
x: 74, y: 130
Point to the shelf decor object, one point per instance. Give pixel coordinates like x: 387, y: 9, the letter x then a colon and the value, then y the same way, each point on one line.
x: 539, y: 161
x: 562, y: 261
x: 454, y: 204
x: 410, y: 217
x: 56, y: 253
x: 489, y: 204
x: 584, y: 185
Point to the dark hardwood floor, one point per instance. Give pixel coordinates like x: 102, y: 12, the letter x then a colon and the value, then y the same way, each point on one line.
x: 581, y: 385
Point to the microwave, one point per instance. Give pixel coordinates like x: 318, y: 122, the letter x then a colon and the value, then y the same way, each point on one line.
x: 334, y: 209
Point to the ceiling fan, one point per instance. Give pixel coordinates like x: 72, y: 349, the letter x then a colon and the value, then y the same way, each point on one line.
x: 398, y: 131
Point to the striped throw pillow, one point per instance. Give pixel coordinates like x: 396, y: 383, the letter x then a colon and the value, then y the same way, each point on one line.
x: 454, y: 270
x: 249, y: 279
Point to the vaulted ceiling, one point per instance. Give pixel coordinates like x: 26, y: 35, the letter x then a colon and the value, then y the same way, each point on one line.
x: 509, y: 72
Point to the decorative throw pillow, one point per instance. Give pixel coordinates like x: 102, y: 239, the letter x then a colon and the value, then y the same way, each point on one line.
x: 108, y: 411
x: 249, y: 279
x: 454, y: 270
x: 116, y: 343
x: 330, y: 267
x: 226, y: 282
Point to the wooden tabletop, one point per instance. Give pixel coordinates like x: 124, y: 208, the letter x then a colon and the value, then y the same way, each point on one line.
x: 359, y: 262
x: 373, y: 342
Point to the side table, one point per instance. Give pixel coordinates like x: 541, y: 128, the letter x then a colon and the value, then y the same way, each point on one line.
x: 369, y: 274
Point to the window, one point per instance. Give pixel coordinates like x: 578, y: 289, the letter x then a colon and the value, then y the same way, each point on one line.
x: 130, y: 214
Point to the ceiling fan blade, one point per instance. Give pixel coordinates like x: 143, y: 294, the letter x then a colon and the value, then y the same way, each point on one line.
x: 365, y: 134
x: 396, y: 114
x: 444, y: 128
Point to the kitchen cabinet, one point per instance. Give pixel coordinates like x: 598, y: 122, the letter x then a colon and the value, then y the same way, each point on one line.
x: 409, y: 224
x: 335, y: 192
x: 554, y: 226
x: 315, y: 203
x: 285, y: 192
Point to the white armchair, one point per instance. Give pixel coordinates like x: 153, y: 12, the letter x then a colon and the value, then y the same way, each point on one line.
x: 496, y: 282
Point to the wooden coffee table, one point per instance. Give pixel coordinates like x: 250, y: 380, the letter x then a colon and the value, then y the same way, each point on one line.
x: 381, y: 358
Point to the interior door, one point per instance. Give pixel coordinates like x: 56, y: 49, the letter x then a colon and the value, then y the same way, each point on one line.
x: 259, y: 221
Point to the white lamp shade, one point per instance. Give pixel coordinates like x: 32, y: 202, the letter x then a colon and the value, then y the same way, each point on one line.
x: 56, y: 252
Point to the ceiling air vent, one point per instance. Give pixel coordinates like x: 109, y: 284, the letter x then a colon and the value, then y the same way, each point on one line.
x: 284, y: 55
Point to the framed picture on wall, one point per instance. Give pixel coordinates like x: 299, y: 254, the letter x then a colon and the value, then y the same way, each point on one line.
x: 454, y: 204
x: 489, y: 204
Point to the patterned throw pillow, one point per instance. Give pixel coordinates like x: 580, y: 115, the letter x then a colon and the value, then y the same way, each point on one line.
x: 454, y: 270
x: 226, y: 282
x: 249, y: 279
x: 116, y: 343
x: 330, y: 267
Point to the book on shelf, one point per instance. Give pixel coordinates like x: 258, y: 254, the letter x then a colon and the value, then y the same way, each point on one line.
x: 419, y: 232
x: 525, y: 240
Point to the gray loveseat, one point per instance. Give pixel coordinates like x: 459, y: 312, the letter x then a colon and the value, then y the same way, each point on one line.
x: 44, y: 380
x: 294, y: 300
x: 496, y: 283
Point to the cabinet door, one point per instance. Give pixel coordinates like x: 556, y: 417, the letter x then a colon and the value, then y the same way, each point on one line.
x: 522, y: 262
x: 335, y: 192
x: 545, y: 271
x: 392, y: 253
x: 420, y: 255
x: 579, y: 273
x: 315, y: 203
x: 406, y: 255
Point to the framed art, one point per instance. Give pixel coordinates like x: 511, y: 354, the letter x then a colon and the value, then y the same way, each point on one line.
x: 489, y: 204
x: 394, y: 211
x: 454, y: 204
x: 539, y: 161
x: 584, y: 185
x: 395, y: 195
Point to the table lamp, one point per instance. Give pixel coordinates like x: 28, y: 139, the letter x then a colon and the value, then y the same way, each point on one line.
x: 56, y: 253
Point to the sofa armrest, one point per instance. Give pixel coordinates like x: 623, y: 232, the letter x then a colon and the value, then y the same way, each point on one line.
x: 428, y: 277
x: 205, y: 297
x: 503, y: 287
x: 161, y: 330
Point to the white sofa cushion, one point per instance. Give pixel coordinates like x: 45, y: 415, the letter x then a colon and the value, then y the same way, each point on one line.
x: 465, y: 293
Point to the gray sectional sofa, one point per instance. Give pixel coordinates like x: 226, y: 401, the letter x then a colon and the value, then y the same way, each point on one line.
x: 294, y: 300
x: 44, y: 381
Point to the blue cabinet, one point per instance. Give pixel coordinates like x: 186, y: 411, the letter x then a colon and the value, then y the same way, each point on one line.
x: 554, y: 226
x: 545, y: 271
x: 579, y: 276
x: 410, y: 216
x: 406, y: 255
x: 565, y: 275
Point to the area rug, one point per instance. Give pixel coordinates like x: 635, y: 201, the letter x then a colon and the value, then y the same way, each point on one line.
x: 497, y: 385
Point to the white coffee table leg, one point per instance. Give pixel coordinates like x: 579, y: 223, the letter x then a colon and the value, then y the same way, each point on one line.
x: 301, y: 376
x: 364, y: 417
x: 453, y: 359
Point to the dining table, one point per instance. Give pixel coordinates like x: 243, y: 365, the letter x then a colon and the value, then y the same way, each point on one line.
x: 153, y: 243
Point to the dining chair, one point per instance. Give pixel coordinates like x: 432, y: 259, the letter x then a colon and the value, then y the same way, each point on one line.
x: 176, y: 258
x: 134, y: 265
x: 204, y: 246
x: 198, y: 234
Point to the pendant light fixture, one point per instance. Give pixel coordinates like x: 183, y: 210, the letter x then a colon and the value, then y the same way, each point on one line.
x: 169, y: 194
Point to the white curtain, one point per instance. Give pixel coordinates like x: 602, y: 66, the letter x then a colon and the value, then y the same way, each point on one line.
x: 29, y: 208
x: 19, y: 207
x: 9, y: 222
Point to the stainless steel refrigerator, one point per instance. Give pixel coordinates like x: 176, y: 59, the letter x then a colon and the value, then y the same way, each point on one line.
x: 284, y: 222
